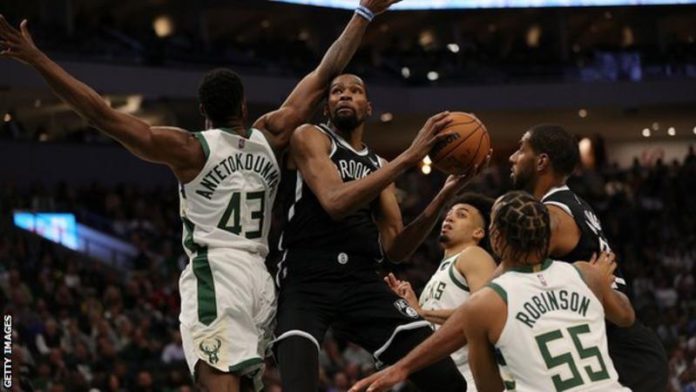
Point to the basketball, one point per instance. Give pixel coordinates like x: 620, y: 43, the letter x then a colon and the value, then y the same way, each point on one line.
x: 466, y: 147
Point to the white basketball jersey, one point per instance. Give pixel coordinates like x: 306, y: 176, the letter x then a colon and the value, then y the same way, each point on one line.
x: 448, y: 289
x: 228, y: 205
x: 554, y: 338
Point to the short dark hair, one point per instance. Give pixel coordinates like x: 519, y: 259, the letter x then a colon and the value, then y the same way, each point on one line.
x: 561, y: 147
x: 525, y: 224
x: 221, y: 93
x: 483, y: 204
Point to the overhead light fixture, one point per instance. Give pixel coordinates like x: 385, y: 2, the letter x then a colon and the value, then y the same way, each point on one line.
x: 427, y: 160
x: 646, y: 132
x: 454, y: 48
x: 426, y: 169
x: 386, y: 117
x: 656, y: 126
x: 433, y: 76
x: 582, y: 113
x: 163, y: 26
x: 406, y: 72
x: 8, y: 117
x: 671, y: 131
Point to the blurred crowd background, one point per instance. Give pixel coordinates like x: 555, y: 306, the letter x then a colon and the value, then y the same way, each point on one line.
x: 82, y: 325
x: 623, y: 76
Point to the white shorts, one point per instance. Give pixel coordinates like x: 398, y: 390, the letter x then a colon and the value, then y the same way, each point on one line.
x: 228, y: 305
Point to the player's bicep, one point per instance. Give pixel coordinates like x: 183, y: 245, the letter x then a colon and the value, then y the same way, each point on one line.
x: 565, y: 233
x: 310, y: 151
x: 278, y: 126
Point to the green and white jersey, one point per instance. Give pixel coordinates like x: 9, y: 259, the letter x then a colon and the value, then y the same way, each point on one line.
x: 554, y: 338
x: 228, y: 205
x: 448, y: 289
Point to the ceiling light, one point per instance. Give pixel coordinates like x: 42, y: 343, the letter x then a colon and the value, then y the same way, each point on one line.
x: 671, y: 131
x: 454, y: 48
x: 163, y: 26
x: 582, y: 113
x: 426, y: 169
x: 386, y: 117
x: 646, y: 132
x: 406, y: 72
x: 433, y: 76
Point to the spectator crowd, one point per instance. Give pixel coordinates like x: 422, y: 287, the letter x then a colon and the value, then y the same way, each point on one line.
x: 80, y: 325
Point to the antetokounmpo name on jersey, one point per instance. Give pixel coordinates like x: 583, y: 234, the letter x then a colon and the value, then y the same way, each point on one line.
x: 238, y: 162
x: 550, y: 301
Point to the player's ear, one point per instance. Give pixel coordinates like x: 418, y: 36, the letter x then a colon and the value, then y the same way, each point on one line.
x: 479, y: 233
x: 542, y: 162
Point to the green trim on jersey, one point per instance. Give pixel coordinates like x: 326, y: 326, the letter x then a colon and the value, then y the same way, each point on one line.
x: 579, y: 273
x: 240, y: 367
x: 204, y: 143
x: 530, y: 268
x: 207, y: 305
x: 189, y: 227
x: 501, y: 291
x: 454, y: 278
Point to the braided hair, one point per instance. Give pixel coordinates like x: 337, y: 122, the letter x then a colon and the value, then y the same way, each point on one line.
x: 524, y: 224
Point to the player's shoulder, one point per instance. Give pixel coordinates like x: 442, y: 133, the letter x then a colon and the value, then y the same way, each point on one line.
x: 307, y: 137
x: 474, y: 255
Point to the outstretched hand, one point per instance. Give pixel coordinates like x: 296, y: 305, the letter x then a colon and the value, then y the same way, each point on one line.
x: 381, y: 381
x: 17, y: 44
x: 605, y: 263
x: 455, y: 183
x: 403, y: 289
x: 430, y: 134
x: 378, y: 6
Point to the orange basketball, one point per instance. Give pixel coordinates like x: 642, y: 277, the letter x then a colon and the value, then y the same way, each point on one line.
x: 468, y: 145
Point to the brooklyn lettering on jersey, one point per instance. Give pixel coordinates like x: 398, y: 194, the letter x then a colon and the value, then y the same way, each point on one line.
x: 549, y: 301
x: 353, y: 170
x: 238, y: 162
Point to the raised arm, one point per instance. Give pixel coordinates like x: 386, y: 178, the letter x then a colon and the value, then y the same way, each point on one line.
x: 303, y: 100
x: 167, y: 145
x: 310, y: 152
x: 400, y: 242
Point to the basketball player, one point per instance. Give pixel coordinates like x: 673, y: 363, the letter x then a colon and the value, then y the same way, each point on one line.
x: 546, y: 157
x: 229, y: 177
x: 545, y: 318
x: 343, y: 217
x: 466, y: 267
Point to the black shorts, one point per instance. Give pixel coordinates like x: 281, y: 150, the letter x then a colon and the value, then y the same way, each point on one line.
x: 317, y: 291
x: 638, y: 357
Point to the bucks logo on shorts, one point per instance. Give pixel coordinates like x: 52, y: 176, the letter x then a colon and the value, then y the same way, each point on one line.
x: 211, y: 349
x: 402, y: 306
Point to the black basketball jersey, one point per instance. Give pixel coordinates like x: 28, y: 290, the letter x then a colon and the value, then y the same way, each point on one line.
x: 592, y: 238
x: 309, y: 227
